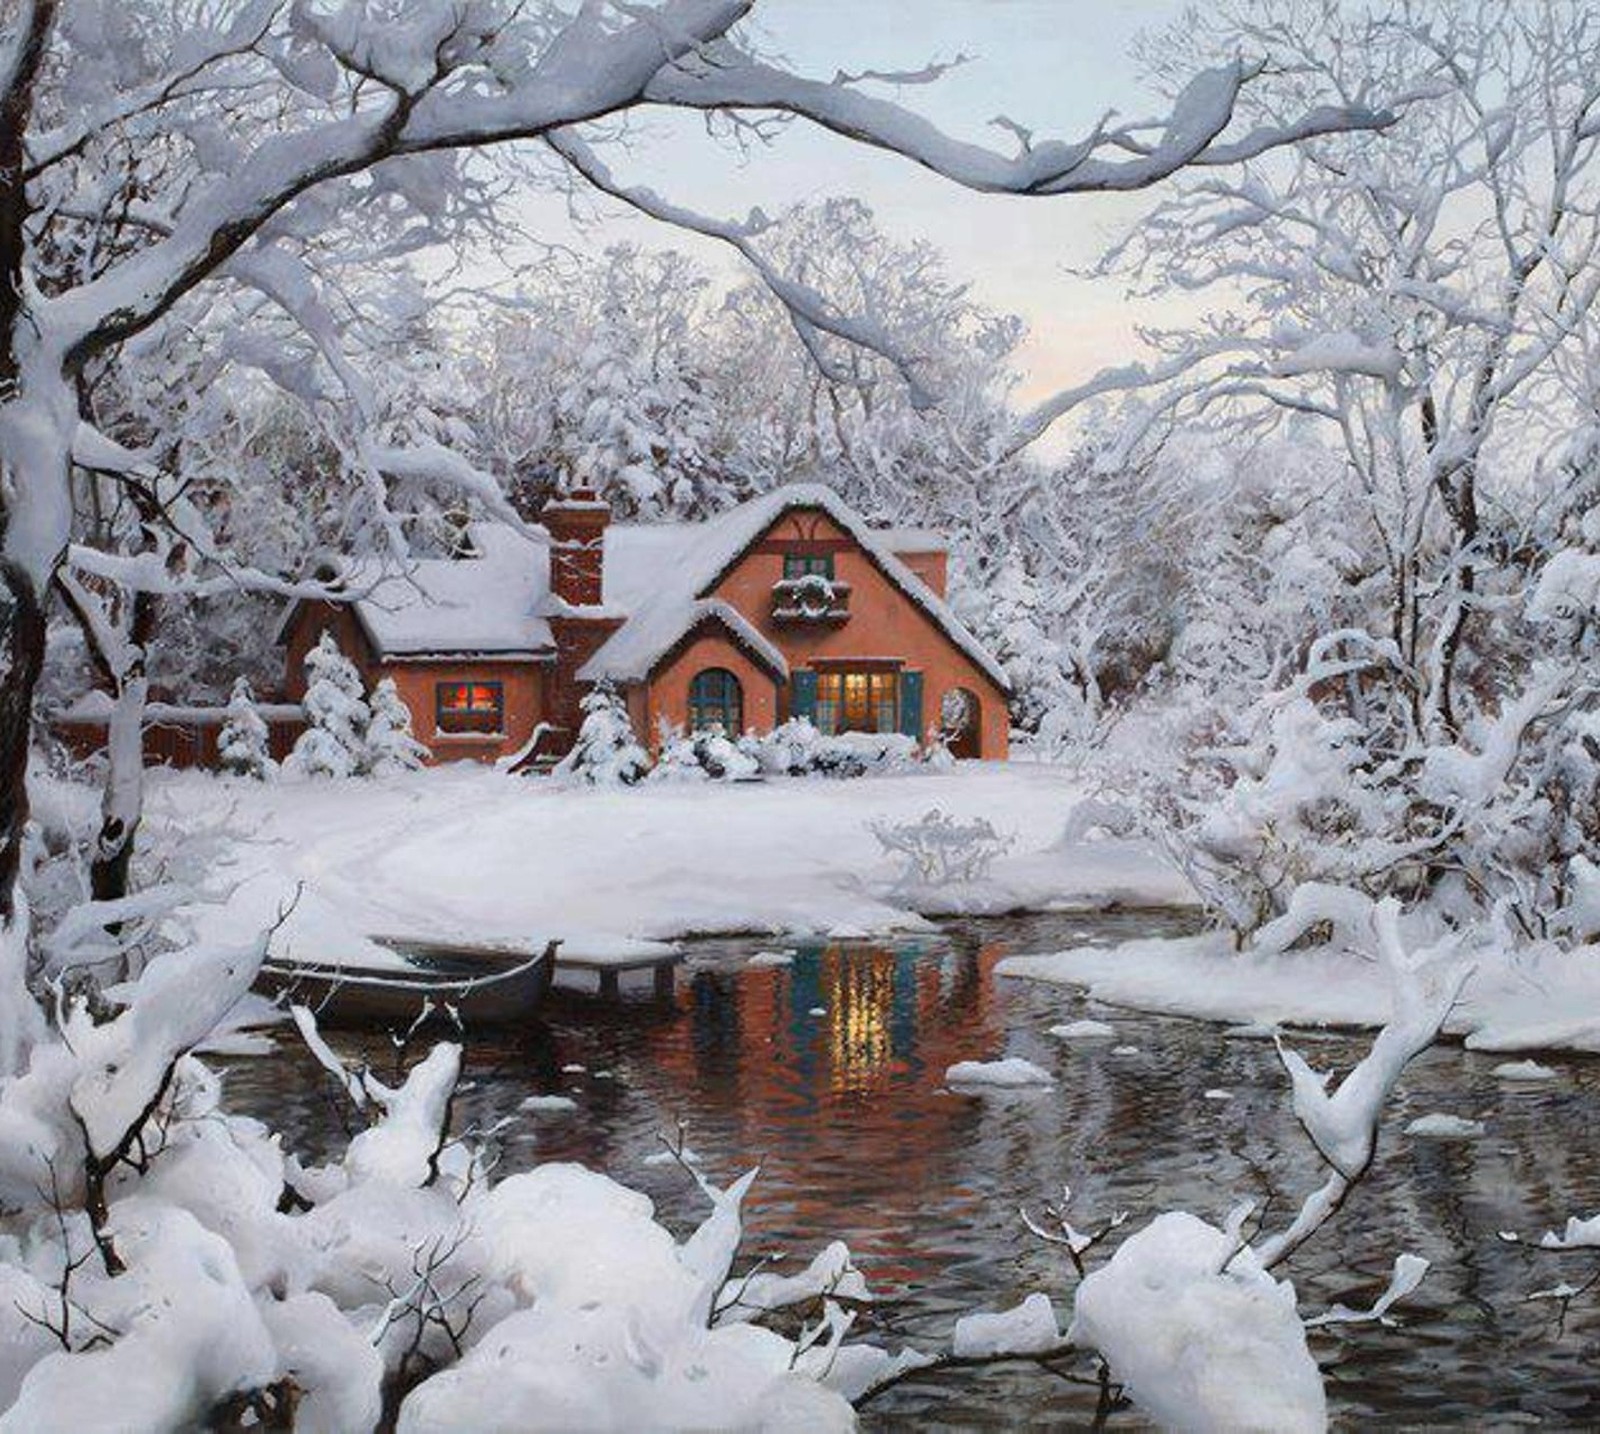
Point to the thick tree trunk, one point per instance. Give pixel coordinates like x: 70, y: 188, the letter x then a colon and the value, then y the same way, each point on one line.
x: 21, y: 658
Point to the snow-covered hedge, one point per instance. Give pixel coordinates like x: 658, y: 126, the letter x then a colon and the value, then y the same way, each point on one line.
x: 797, y: 749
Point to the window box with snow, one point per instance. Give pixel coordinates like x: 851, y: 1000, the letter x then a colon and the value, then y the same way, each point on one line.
x: 469, y: 709
x: 810, y: 597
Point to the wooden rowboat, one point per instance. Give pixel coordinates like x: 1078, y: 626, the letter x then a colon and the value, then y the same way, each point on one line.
x: 458, y: 986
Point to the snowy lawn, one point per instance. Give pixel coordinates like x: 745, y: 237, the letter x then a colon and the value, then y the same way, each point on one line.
x: 1535, y: 999
x: 467, y: 854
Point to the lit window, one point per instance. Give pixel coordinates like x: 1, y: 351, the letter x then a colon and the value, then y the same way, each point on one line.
x: 469, y: 707
x: 807, y: 565
x: 858, y: 702
x: 716, y: 700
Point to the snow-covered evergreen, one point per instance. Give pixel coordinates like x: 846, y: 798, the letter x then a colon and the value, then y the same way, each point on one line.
x: 334, y: 743
x: 389, y: 745
x: 607, y: 752
x: 242, y: 742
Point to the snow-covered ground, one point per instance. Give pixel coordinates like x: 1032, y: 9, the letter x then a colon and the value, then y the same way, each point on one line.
x: 465, y: 854
x: 1538, y: 998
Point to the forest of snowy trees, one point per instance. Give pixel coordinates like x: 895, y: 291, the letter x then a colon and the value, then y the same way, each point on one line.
x: 1312, y: 598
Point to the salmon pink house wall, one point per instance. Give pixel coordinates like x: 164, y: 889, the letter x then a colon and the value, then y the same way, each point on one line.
x: 788, y: 605
x: 667, y: 692
x: 514, y: 689
x: 880, y: 627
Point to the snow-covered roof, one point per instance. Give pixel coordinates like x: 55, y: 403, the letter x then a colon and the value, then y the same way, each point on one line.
x: 661, y: 573
x: 633, y: 651
x: 485, y: 604
x: 912, y: 540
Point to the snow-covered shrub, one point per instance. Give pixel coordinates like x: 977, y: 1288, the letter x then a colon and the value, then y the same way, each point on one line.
x: 167, y: 1265
x: 697, y: 756
x: 389, y: 745
x: 1330, y: 781
x: 607, y: 753
x: 859, y: 754
x: 337, y: 716
x: 242, y: 742
x: 937, y: 848
x: 789, y: 749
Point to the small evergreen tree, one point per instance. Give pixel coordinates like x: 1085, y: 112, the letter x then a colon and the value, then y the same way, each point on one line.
x: 390, y: 747
x: 606, y: 753
x: 334, y: 742
x: 242, y: 743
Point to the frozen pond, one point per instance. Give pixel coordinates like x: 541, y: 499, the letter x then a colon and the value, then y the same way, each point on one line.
x: 829, y: 1073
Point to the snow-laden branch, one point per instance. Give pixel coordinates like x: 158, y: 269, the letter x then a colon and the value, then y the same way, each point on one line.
x: 1343, y: 1124
x: 1144, y: 154
x: 810, y: 309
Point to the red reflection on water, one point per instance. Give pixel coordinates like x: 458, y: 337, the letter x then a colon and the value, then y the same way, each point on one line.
x: 831, y: 1072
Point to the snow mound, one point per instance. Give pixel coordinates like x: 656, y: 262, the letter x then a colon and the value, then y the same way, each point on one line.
x: 1520, y: 1071
x: 1201, y: 1341
x: 1030, y: 1328
x: 1439, y: 1126
x: 1083, y: 1031
x: 771, y: 958
x: 1012, y: 1073
x: 832, y: 1273
x: 1580, y: 1234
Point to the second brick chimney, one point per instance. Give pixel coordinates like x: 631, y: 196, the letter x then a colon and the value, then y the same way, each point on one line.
x: 577, y: 527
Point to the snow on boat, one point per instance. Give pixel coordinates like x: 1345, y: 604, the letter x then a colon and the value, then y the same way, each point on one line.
x: 463, y: 986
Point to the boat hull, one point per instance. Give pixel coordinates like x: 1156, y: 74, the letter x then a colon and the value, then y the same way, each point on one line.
x: 459, y: 988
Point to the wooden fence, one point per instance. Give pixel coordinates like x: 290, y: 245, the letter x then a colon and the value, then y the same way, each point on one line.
x: 180, y: 736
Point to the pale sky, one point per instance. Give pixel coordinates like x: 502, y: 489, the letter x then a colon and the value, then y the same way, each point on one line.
x: 1052, y: 65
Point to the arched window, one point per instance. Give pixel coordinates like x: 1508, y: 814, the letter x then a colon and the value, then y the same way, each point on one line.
x: 716, y: 700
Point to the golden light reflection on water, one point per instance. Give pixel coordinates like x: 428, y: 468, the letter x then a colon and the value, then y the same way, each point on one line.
x: 833, y: 1067
x: 860, y: 995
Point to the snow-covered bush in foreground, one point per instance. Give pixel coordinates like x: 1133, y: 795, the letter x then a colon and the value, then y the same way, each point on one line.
x: 698, y: 756
x: 797, y: 749
x: 166, y: 1265
x: 937, y: 848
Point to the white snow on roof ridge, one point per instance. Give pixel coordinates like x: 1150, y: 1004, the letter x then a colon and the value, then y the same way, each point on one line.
x: 662, y: 577
x: 899, y: 538
x: 809, y: 495
x: 632, y: 652
x: 487, y: 604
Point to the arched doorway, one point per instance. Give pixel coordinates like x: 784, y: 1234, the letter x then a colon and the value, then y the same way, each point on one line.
x: 716, y: 700
x: 961, y: 723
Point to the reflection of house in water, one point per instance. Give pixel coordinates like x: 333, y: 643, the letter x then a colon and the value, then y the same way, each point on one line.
x: 855, y: 1089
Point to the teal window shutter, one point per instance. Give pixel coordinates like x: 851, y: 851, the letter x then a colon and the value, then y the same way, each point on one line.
x: 803, y: 694
x: 911, y: 704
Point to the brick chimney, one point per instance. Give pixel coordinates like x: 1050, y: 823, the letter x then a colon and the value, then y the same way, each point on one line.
x: 577, y: 527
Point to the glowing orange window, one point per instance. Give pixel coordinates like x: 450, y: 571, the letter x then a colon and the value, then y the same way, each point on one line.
x: 469, y: 707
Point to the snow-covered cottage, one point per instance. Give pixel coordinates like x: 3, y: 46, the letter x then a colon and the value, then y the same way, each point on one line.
x: 787, y: 605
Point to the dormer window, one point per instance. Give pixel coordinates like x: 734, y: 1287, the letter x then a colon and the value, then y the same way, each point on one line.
x: 807, y: 565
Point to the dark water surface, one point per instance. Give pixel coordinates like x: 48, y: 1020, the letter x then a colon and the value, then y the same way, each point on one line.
x: 829, y: 1073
